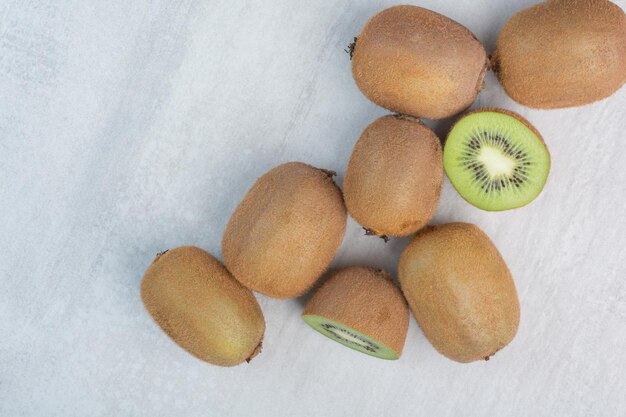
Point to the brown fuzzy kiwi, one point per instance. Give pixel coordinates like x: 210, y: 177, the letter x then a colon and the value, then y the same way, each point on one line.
x: 199, y: 304
x: 286, y: 230
x: 393, y: 181
x: 562, y: 53
x: 361, y: 308
x: 414, y: 61
x: 460, y: 291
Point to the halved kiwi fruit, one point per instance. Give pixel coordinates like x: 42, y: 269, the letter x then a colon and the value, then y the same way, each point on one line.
x: 362, y: 309
x: 199, y: 304
x: 496, y: 159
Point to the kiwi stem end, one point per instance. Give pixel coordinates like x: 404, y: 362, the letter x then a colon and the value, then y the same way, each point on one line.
x: 158, y: 255
x: 255, y: 352
x: 402, y: 116
x: 328, y: 172
x: 350, y: 49
x: 370, y: 232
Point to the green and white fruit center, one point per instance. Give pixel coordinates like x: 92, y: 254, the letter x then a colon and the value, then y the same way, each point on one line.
x: 495, y: 161
x: 500, y: 164
x: 349, y: 337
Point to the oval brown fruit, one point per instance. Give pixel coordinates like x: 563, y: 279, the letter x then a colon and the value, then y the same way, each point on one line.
x: 393, y: 181
x: 286, y: 230
x: 562, y: 53
x: 414, y: 61
x: 199, y: 304
x: 361, y: 308
x: 460, y: 291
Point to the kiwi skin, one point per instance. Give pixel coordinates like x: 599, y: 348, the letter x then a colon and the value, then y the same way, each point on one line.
x: 414, y: 61
x: 562, y: 53
x: 202, y: 308
x: 285, y: 231
x: 366, y: 300
x: 393, y: 180
x: 460, y: 291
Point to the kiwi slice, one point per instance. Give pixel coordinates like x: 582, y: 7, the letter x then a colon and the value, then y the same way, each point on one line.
x: 361, y: 308
x: 496, y: 159
x: 349, y: 337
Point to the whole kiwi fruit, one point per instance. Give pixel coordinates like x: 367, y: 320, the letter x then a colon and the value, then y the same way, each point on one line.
x: 202, y: 308
x: 361, y: 308
x: 414, y: 61
x: 393, y: 181
x: 285, y: 231
x: 460, y: 291
x: 562, y: 53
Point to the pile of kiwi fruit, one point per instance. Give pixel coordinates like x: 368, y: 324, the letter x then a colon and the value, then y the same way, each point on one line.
x: 286, y: 230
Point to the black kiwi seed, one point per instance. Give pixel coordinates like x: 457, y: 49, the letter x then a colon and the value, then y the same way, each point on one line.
x: 335, y: 331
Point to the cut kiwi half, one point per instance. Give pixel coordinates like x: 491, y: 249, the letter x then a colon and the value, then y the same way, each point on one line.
x: 349, y: 337
x: 496, y: 159
x: 361, y: 308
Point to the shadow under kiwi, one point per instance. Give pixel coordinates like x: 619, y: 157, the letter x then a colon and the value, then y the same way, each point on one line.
x: 302, y: 300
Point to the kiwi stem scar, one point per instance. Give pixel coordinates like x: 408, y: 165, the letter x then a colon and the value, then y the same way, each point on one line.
x: 350, y: 49
x: 370, y: 232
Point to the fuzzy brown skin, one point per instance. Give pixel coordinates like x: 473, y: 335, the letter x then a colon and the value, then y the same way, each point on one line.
x: 366, y: 300
x: 199, y: 304
x: 562, y: 53
x: 286, y: 230
x: 414, y: 61
x: 393, y: 181
x: 460, y: 291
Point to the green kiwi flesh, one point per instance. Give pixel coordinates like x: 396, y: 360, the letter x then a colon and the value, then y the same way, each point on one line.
x: 349, y: 337
x: 496, y: 160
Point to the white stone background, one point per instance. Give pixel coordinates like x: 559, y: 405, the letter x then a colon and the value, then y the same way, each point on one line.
x: 129, y: 127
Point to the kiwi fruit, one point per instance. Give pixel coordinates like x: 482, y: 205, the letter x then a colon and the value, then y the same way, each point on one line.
x: 460, y: 291
x: 285, y: 231
x: 496, y: 159
x: 202, y: 308
x: 393, y: 181
x: 362, y: 309
x: 414, y: 61
x: 562, y: 53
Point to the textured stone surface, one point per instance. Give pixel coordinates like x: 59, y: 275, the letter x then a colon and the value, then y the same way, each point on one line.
x: 129, y: 127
